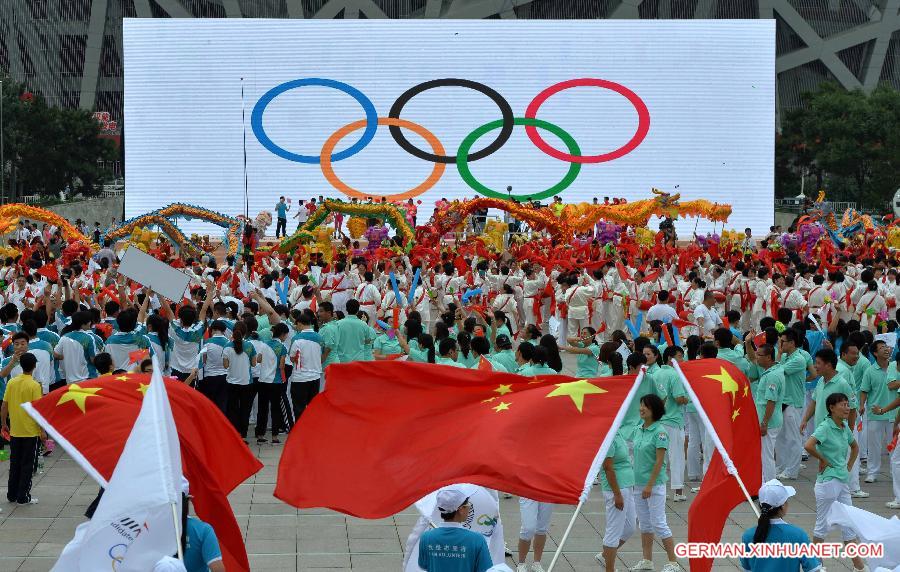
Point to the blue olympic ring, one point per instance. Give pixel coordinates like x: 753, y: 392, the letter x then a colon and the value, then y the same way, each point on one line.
x: 260, y: 107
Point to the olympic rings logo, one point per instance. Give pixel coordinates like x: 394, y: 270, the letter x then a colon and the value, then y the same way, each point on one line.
x: 327, y: 156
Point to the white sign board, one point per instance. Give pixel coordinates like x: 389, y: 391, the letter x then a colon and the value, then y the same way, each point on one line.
x: 154, y: 274
x: 686, y: 106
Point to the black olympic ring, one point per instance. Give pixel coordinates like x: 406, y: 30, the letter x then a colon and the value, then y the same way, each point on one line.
x: 505, y: 110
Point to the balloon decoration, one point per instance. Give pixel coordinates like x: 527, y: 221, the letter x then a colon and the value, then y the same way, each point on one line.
x: 390, y: 213
x: 162, y: 218
x: 11, y: 214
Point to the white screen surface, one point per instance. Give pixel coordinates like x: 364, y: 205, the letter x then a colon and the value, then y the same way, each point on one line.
x: 708, y: 88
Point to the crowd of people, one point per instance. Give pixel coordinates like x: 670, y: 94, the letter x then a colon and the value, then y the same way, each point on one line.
x: 817, y: 339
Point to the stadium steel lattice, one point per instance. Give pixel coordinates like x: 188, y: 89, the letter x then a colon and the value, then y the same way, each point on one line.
x: 70, y: 51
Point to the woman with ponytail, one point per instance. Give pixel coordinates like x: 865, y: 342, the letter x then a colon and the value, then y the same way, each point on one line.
x: 772, y: 529
x: 610, y: 360
x: 238, y: 358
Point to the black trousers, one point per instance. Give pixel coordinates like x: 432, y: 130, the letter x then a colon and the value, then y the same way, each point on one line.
x: 57, y: 384
x: 240, y: 401
x: 281, y: 226
x: 302, y: 394
x: 269, y: 398
x: 23, y: 454
x: 216, y: 389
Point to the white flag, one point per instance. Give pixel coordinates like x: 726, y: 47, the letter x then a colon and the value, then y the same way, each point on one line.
x: 870, y: 527
x: 134, y: 527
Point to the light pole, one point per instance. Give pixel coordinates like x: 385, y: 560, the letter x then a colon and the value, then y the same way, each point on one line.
x: 2, y: 156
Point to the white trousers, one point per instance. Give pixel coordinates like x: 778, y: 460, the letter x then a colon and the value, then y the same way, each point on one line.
x: 828, y: 493
x: 675, y: 454
x: 854, y: 470
x: 697, y: 459
x: 863, y: 440
x: 620, y: 524
x: 788, y: 447
x: 879, y: 434
x: 895, y: 472
x: 535, y: 518
x: 574, y: 325
x: 651, y: 512
x: 768, y: 454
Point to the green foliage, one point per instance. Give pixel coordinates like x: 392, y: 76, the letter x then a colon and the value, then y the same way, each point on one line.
x: 848, y: 140
x: 50, y: 148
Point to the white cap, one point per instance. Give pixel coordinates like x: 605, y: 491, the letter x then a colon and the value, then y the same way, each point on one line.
x: 185, y: 487
x: 773, y: 493
x: 449, y: 499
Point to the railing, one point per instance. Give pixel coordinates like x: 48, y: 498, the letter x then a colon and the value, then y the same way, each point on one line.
x: 31, y: 199
x: 794, y: 206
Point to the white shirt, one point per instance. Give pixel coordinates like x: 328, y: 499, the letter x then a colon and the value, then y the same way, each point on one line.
x: 268, y: 362
x: 74, y: 364
x: 708, y: 318
x: 238, y: 366
x: 305, y: 354
x: 661, y: 312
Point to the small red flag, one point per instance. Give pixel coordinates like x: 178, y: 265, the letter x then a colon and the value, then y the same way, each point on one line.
x: 396, y: 316
x: 49, y: 271
x: 96, y: 417
x: 314, y: 305
x: 137, y: 356
x: 723, y: 392
x: 484, y: 364
x: 681, y: 323
x: 338, y: 470
x: 759, y: 339
x: 623, y: 272
x: 726, y: 322
x: 652, y: 276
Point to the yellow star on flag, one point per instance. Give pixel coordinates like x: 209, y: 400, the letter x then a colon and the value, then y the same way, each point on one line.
x: 746, y: 389
x: 729, y: 385
x: 143, y: 388
x: 502, y: 407
x: 78, y: 394
x: 576, y: 390
x: 504, y: 389
x: 735, y: 413
x: 489, y: 399
x: 122, y: 378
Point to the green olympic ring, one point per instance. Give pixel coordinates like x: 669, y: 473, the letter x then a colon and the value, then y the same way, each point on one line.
x: 462, y: 163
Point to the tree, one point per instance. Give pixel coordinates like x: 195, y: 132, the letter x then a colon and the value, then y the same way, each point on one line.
x: 49, y: 148
x: 849, y: 139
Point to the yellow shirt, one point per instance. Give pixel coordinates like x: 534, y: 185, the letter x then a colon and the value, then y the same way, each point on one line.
x: 22, y: 389
x: 557, y: 208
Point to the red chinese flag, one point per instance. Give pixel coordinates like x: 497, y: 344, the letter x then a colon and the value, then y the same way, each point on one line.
x: 484, y: 364
x: 444, y: 425
x: 137, y: 356
x: 724, y: 394
x: 96, y: 417
x: 759, y: 339
x: 49, y: 271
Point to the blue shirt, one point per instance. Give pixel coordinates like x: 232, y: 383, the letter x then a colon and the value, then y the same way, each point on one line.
x: 202, y: 546
x: 779, y: 532
x: 452, y: 548
x: 281, y: 209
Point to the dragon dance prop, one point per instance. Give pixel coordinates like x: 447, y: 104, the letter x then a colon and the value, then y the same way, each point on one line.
x: 11, y: 214
x: 162, y: 218
x: 390, y: 213
x: 581, y: 217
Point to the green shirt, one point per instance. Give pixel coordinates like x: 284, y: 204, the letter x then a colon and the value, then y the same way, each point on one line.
x: 355, y: 339
x: 646, y: 441
x: 531, y: 370
x: 737, y: 358
x: 328, y: 332
x: 387, y: 345
x: 834, y: 445
x: 837, y: 384
x: 770, y: 387
x: 794, y: 369
x: 618, y: 452
x: 846, y: 370
x: 633, y: 413
x: 669, y: 388
x: 469, y: 362
x: 605, y: 370
x: 447, y: 361
x: 874, y: 383
x: 506, y: 358
x: 587, y: 364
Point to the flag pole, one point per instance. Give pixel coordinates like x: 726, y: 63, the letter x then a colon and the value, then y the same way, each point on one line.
x: 598, y: 462
x: 729, y: 465
x: 177, y: 522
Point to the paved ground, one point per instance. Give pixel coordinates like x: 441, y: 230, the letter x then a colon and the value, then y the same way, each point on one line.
x: 282, y: 538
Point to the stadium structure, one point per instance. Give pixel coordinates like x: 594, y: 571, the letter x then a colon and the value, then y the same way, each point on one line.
x: 70, y: 51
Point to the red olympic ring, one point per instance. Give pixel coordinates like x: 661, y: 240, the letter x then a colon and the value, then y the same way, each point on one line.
x: 642, y: 129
